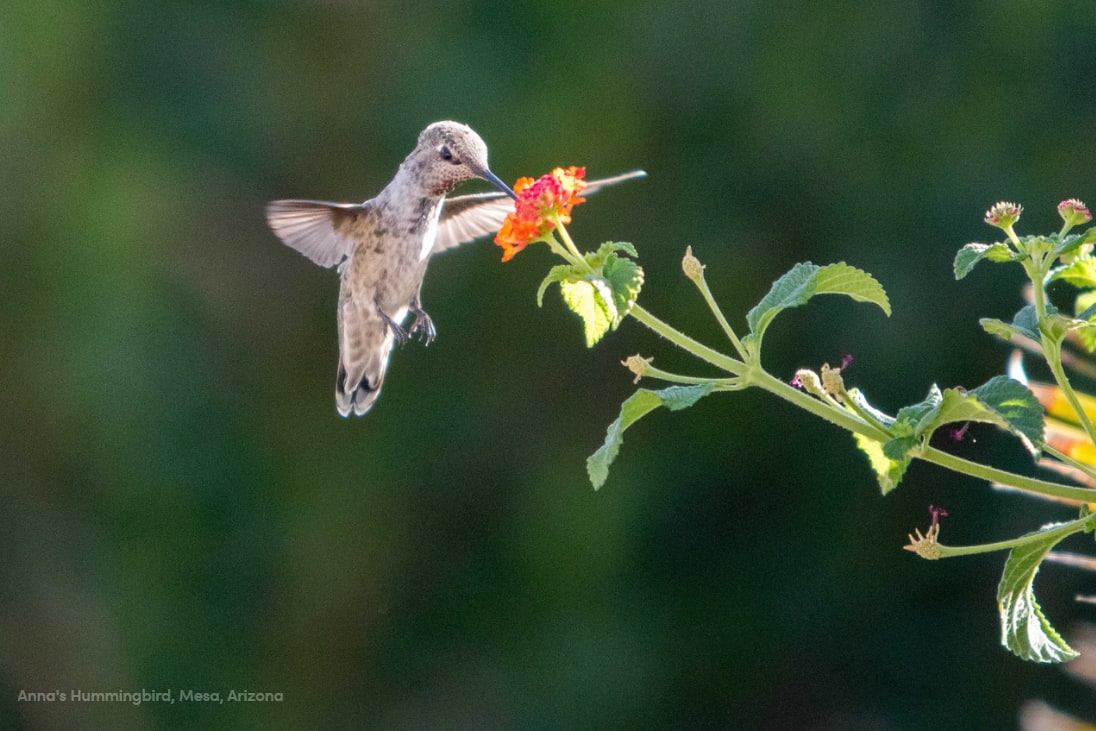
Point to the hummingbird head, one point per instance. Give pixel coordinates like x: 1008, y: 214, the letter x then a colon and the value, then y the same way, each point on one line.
x: 449, y: 153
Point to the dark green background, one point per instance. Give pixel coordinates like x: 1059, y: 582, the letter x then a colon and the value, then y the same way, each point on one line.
x: 181, y: 507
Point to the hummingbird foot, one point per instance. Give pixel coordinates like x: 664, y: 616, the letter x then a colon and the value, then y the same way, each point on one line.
x: 398, y: 332
x: 422, y: 324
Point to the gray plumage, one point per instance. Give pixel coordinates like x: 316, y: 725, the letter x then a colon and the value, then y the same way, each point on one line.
x: 382, y: 248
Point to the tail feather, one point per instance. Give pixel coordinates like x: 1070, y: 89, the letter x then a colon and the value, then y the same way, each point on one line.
x: 364, y: 346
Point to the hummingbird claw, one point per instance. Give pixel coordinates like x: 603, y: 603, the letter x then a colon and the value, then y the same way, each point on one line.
x: 422, y: 324
x: 398, y: 332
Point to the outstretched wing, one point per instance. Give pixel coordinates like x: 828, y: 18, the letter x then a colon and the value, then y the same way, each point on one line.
x: 318, y: 229
x: 469, y: 217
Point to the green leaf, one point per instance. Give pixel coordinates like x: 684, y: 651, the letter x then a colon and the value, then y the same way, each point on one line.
x: 1035, y: 246
x: 888, y: 472
x: 1072, y: 242
x: 1024, y: 629
x: 625, y: 279
x: 591, y: 299
x: 898, y: 449
x: 1016, y: 403
x: 558, y: 273
x: 634, y: 408
x: 1080, y: 273
x: 601, y: 299
x: 971, y: 254
x: 610, y: 247
x: 1002, y: 401
x: 1024, y: 324
x: 862, y: 402
x: 914, y: 420
x: 805, y: 280
x: 1000, y: 328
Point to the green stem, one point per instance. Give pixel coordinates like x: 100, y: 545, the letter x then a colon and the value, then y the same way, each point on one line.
x: 993, y: 474
x: 702, y: 284
x: 1052, y: 349
x: 1064, y: 530
x: 569, y: 243
x: 683, y: 341
x: 846, y: 420
x: 1076, y: 464
x: 652, y: 372
x: 833, y: 414
x: 1052, y: 352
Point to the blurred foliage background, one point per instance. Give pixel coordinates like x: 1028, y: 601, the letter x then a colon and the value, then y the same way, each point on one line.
x: 181, y: 507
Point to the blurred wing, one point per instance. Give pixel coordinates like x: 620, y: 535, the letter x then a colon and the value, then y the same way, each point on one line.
x: 469, y: 217
x: 321, y: 231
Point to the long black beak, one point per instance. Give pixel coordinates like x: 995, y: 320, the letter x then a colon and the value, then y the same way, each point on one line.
x: 494, y: 180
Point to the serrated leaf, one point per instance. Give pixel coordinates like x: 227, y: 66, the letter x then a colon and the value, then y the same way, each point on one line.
x: 634, y: 408
x: 1056, y: 326
x: 971, y: 254
x: 558, y: 273
x: 1085, y: 306
x: 1038, y: 246
x: 888, y: 472
x: 1017, y: 405
x: 855, y: 283
x: 610, y: 247
x: 1072, y: 242
x: 862, y: 403
x: 1025, y: 323
x: 1001, y: 329
x: 592, y: 300
x: 625, y: 279
x: 1080, y: 273
x: 1024, y: 628
x: 1002, y: 401
x: 898, y: 449
x: 805, y: 280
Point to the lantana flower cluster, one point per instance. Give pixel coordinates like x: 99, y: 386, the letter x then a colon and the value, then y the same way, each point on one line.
x: 540, y: 204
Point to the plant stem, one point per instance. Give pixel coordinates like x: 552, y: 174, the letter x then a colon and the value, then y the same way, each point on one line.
x: 658, y: 373
x: 993, y: 474
x: 683, y: 341
x: 1085, y: 469
x: 842, y: 418
x: 569, y: 243
x: 1064, y: 530
x: 1052, y: 349
x: 702, y: 284
x: 1053, y: 354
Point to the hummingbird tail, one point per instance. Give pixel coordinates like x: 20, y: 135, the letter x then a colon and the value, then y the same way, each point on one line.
x: 365, y: 343
x: 356, y: 398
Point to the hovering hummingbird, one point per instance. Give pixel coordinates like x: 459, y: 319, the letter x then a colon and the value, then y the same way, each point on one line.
x: 382, y: 247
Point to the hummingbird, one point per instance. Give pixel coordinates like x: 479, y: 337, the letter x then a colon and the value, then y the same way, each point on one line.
x: 381, y: 248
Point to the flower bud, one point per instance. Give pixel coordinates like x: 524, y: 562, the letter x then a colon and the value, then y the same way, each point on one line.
x: 692, y: 267
x: 1003, y: 215
x: 638, y: 365
x: 832, y: 382
x: 1074, y: 212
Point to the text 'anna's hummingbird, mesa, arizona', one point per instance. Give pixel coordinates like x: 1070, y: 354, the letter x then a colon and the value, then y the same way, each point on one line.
x: 382, y: 247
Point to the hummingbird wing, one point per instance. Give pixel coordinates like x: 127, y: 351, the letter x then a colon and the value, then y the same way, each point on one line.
x: 469, y: 217
x: 320, y: 230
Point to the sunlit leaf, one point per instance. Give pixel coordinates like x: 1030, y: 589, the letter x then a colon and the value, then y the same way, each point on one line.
x: 638, y: 405
x: 805, y: 280
x: 888, y: 472
x: 971, y: 254
x: 592, y: 300
x: 1024, y: 629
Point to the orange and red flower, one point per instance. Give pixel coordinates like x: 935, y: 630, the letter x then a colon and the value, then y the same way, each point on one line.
x: 540, y: 202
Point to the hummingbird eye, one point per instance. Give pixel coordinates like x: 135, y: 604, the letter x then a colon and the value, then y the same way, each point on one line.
x: 446, y: 154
